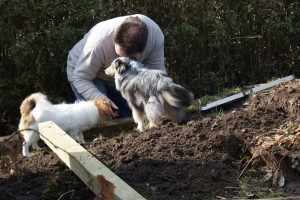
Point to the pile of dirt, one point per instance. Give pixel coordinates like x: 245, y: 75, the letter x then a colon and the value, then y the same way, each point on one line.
x: 213, y: 156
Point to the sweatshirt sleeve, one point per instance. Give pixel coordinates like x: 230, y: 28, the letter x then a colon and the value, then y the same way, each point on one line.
x: 85, y: 72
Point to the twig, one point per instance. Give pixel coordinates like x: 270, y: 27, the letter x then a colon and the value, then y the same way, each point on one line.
x: 247, y: 165
x: 248, y: 37
x: 19, y: 131
x: 281, y: 198
x: 167, y: 178
x: 67, y: 193
x: 231, y: 187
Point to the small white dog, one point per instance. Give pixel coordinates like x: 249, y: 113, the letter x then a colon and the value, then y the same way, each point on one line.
x: 72, y: 118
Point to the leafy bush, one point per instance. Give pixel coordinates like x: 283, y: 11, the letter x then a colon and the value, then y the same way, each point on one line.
x: 209, y: 45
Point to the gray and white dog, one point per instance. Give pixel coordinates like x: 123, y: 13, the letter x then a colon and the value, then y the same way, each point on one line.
x: 149, y: 92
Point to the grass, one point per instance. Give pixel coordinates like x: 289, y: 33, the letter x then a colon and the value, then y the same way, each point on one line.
x: 244, y: 186
x: 250, y: 188
x: 211, y: 98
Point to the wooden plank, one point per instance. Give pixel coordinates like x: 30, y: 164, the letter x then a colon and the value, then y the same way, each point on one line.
x: 114, y: 122
x: 82, y: 163
x: 245, y: 93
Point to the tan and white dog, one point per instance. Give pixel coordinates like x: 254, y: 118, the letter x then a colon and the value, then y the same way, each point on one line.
x: 72, y: 118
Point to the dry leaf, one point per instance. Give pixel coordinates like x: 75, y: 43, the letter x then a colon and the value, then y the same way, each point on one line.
x: 106, y: 189
x: 267, y: 177
x: 11, y: 150
x: 278, y: 178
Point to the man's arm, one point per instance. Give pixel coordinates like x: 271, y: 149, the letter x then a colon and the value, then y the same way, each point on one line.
x: 85, y: 72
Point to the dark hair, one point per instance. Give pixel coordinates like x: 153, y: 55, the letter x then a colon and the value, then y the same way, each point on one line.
x: 131, y: 35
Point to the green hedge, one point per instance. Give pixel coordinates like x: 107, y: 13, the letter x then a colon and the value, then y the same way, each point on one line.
x: 209, y: 44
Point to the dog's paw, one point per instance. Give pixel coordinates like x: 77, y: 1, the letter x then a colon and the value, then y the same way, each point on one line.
x: 184, y: 120
x: 140, y: 129
x: 28, y: 155
x: 25, y: 152
x: 153, y: 125
x: 36, y: 146
x: 81, y: 142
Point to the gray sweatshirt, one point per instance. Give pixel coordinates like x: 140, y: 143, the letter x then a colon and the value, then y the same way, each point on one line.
x: 89, y: 58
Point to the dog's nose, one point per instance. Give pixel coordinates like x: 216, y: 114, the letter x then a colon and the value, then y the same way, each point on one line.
x: 109, y: 71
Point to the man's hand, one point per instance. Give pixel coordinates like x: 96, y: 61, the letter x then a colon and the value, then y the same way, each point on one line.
x: 112, y: 106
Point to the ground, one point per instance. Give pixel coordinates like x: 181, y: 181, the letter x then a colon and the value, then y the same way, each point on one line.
x: 213, y: 156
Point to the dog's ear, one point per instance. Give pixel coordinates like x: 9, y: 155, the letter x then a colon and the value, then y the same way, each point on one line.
x: 121, y: 66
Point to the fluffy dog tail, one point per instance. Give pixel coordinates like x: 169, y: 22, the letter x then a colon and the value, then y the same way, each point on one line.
x: 30, y: 102
x: 177, y: 96
x: 26, y: 107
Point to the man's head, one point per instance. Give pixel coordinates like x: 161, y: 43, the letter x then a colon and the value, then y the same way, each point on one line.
x: 130, y: 37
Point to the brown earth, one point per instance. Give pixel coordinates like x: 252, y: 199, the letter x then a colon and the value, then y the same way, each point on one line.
x: 207, y: 158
